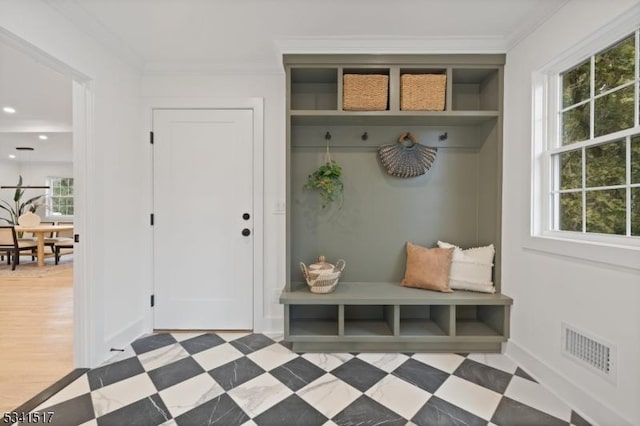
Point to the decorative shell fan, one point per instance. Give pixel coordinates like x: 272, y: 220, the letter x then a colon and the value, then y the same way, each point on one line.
x: 405, y: 161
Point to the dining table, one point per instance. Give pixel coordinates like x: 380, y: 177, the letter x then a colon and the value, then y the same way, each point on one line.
x: 39, y: 231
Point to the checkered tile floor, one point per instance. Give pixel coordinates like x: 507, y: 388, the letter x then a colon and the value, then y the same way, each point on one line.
x: 249, y: 379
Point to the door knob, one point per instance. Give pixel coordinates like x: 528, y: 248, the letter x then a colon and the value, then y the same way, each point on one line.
x: 246, y: 216
x: 246, y: 232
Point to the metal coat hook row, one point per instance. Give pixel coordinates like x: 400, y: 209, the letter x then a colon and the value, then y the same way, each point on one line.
x: 444, y: 136
x: 327, y: 135
x: 364, y: 136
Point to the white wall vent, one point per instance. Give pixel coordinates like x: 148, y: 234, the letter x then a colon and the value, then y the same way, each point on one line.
x: 591, y: 352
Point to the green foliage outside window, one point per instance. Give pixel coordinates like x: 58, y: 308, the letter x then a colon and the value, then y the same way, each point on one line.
x: 613, y: 100
x: 61, y: 196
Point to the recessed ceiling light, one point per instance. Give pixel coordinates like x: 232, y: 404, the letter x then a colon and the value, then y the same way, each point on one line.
x: 43, y: 137
x: 9, y: 110
x: 12, y: 156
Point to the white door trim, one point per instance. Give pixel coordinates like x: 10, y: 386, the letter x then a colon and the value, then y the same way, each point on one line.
x: 257, y: 106
x: 85, y: 314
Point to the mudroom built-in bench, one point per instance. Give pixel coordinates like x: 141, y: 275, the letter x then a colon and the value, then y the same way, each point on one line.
x: 457, y: 200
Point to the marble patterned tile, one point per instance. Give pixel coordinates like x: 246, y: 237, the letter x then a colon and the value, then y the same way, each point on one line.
x: 442, y: 413
x: 220, y: 411
x: 421, y: 375
x: 94, y: 422
x: 473, y: 398
x: 329, y: 395
x: 155, y: 341
x: 359, y: 374
x: 484, y: 375
x: 399, y: 396
x: 232, y: 335
x: 72, y: 411
x: 251, y: 343
x: 538, y: 397
x: 162, y: 356
x: 327, y: 361
x: 577, y: 420
x: 175, y: 372
x: 292, y: 411
x: 181, y: 336
x: 521, y: 373
x: 115, y: 372
x: 236, y: 373
x: 259, y: 394
x: 297, y: 373
x: 513, y: 413
x: 190, y: 394
x: 272, y: 356
x: 217, y: 356
x: 364, y: 411
x: 122, y: 393
x: 201, y: 343
x: 384, y: 361
x: 147, y: 411
x: 445, y: 362
x: 499, y: 361
x: 78, y: 387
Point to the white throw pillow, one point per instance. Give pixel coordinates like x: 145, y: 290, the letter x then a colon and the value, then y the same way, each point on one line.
x: 471, y: 268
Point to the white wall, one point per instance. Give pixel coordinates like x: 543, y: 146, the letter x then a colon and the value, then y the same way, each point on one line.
x: 116, y: 233
x: 547, y: 289
x: 33, y: 173
x: 270, y: 87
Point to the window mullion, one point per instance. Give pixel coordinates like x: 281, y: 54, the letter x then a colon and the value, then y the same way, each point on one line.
x: 636, y: 109
x: 592, y: 93
x: 584, y: 192
x: 628, y: 177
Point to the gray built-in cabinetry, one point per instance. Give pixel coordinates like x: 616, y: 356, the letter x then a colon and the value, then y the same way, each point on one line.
x: 458, y: 201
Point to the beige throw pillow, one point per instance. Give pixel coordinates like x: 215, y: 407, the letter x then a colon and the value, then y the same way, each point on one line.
x: 428, y: 268
x: 471, y: 269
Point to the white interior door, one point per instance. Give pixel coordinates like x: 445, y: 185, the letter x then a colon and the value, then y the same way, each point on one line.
x: 203, y: 234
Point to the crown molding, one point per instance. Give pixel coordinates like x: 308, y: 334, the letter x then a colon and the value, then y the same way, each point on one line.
x: 392, y: 45
x: 89, y: 24
x: 532, y: 23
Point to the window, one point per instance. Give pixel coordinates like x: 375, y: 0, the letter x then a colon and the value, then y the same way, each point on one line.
x: 60, y: 196
x: 593, y: 145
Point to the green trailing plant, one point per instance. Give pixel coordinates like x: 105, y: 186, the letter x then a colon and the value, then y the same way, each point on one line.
x: 19, y: 207
x: 326, y: 180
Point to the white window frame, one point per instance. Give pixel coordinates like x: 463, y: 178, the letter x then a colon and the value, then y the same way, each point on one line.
x: 49, y: 202
x: 611, y: 249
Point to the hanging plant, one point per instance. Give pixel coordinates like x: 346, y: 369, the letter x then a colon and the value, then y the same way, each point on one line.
x: 326, y: 180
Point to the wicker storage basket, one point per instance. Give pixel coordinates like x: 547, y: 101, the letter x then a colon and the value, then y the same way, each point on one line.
x: 324, y: 282
x: 365, y: 92
x: 422, y: 92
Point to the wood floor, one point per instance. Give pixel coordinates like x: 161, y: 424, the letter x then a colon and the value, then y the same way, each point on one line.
x: 36, y: 335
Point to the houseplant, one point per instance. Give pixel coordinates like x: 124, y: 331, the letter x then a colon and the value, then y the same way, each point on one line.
x: 19, y: 207
x: 326, y: 180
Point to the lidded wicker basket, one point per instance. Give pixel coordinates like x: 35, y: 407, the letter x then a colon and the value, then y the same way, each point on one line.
x: 422, y: 92
x: 323, y: 279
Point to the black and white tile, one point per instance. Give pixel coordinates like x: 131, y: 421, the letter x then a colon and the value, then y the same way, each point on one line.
x: 251, y: 379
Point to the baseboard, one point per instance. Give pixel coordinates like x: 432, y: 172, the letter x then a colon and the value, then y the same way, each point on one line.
x: 122, y: 338
x: 585, y: 404
x: 40, y: 398
x: 270, y: 326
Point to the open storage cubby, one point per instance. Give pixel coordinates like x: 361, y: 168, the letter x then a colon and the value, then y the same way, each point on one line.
x: 458, y: 200
x: 368, y: 320
x: 425, y: 320
x: 313, y: 320
x: 480, y: 320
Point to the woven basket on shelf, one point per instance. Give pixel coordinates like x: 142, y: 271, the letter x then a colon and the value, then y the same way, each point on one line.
x: 324, y: 282
x: 422, y: 92
x: 365, y: 92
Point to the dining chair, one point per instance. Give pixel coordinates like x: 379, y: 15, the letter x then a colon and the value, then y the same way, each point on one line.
x: 48, y: 239
x: 63, y: 242
x: 11, y: 245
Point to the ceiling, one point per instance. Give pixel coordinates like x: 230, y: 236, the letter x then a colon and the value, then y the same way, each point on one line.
x: 200, y: 34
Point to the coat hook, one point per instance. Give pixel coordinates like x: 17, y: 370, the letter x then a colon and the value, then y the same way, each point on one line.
x: 364, y: 136
x: 444, y: 136
x: 327, y: 136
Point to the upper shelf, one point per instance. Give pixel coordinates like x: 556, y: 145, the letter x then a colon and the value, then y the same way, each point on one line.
x: 472, y: 95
